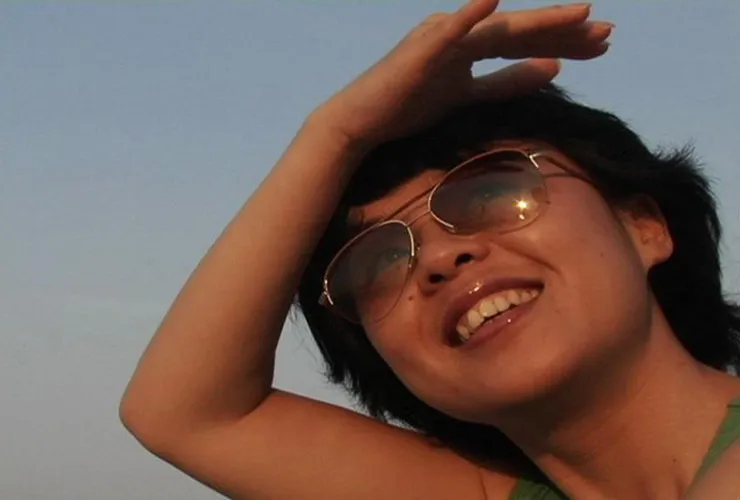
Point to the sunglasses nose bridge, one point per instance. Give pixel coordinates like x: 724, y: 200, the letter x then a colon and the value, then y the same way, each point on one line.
x: 422, y: 214
x: 428, y: 211
x: 415, y: 244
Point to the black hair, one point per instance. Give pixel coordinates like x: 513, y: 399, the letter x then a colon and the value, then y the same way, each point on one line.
x: 688, y: 286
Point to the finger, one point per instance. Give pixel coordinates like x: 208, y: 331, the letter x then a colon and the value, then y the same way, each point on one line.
x: 471, y: 14
x: 457, y: 25
x: 441, y: 30
x: 583, y: 42
x: 517, y: 79
x: 525, y: 22
x: 570, y: 42
x: 576, y: 52
x: 596, y: 31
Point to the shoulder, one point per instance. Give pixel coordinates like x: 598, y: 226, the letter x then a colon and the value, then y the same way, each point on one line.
x: 722, y: 481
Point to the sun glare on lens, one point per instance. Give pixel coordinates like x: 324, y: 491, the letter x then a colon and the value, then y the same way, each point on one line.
x: 523, y: 206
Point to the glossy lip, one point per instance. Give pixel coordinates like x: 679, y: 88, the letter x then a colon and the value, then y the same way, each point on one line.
x: 461, y: 303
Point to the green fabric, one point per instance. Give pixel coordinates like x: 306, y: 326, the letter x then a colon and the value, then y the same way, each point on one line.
x: 530, y: 490
x: 728, y: 433
x: 536, y: 486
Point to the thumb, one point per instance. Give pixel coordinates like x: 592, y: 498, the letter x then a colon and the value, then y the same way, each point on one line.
x: 516, y: 79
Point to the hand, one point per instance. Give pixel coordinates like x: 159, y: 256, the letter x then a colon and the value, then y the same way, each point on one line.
x: 430, y: 71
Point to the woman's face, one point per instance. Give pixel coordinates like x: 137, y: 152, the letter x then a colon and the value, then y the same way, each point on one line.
x: 579, y: 273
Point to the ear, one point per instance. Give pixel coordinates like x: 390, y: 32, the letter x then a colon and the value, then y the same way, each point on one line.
x: 647, y: 227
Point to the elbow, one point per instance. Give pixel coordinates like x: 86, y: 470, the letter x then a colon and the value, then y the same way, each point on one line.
x: 132, y: 420
x: 139, y: 420
x: 159, y: 429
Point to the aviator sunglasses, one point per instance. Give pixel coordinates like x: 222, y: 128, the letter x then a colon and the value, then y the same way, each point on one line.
x: 501, y: 190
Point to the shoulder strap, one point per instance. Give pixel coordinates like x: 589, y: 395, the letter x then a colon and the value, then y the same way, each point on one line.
x: 727, y: 435
x: 526, y: 489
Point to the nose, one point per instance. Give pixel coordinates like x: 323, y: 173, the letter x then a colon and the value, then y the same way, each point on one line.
x: 442, y: 256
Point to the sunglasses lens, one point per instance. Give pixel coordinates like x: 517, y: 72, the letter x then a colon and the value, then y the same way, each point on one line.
x: 368, y: 276
x: 502, y: 190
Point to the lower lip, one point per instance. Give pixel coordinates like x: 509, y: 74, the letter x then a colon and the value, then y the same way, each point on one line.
x: 493, y: 327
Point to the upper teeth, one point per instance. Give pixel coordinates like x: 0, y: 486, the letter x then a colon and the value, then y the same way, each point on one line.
x: 489, y: 307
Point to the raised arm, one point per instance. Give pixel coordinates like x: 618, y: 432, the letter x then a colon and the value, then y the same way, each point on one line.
x: 202, y: 397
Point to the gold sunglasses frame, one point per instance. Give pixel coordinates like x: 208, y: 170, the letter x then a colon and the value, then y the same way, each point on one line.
x: 326, y: 300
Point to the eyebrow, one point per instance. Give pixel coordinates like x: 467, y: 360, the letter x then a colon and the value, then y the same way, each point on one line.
x: 356, y: 227
x: 363, y: 224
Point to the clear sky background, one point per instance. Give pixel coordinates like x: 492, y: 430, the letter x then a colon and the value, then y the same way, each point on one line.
x: 131, y: 132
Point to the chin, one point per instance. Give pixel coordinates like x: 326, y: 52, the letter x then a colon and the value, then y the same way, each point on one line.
x: 505, y: 389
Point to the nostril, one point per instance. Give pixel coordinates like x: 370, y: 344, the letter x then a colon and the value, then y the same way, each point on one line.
x: 463, y: 259
x: 436, y: 278
x: 448, y: 271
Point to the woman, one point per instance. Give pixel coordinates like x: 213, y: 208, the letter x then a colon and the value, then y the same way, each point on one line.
x: 511, y: 274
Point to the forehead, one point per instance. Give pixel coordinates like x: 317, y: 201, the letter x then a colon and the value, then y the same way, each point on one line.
x: 411, y: 193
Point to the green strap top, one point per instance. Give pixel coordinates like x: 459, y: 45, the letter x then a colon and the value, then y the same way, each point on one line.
x: 528, y: 489
x: 728, y: 433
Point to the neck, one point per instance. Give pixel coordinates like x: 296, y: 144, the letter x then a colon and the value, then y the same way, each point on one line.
x: 643, y: 435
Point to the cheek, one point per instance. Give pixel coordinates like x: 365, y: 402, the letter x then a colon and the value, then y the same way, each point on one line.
x: 398, y: 337
x: 600, y: 285
x: 580, y: 236
x: 412, y: 355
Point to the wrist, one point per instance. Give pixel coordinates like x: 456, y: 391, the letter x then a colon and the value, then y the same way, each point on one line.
x: 320, y: 124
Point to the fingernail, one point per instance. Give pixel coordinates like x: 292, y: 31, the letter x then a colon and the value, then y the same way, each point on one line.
x: 577, y: 6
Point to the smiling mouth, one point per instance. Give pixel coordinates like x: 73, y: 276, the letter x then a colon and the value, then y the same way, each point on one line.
x: 492, y: 313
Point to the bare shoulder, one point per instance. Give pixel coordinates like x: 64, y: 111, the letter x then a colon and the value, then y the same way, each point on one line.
x: 294, y: 447
x: 722, y: 481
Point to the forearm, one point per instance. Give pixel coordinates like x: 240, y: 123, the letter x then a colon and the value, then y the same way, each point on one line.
x: 212, y: 357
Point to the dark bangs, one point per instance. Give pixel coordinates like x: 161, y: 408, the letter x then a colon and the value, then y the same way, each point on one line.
x: 622, y: 168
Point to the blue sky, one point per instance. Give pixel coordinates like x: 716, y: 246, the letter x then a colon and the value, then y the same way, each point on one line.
x: 130, y: 133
